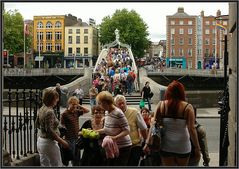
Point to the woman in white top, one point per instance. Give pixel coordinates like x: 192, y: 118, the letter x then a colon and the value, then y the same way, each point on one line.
x: 178, y: 121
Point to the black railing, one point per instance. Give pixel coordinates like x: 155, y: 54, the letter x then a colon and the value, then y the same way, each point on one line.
x: 19, y: 131
x: 224, y: 110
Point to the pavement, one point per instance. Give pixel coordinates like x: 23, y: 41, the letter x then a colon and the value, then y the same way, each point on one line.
x: 201, y: 113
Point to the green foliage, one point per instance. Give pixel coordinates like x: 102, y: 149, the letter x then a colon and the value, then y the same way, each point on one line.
x: 132, y: 30
x: 13, y: 32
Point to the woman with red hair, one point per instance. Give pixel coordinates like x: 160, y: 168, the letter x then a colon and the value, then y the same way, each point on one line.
x: 178, y: 121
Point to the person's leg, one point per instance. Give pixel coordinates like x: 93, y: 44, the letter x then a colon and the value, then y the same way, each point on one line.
x: 168, y: 161
x: 124, y: 154
x: 134, y: 156
x: 149, y: 104
x: 182, y: 161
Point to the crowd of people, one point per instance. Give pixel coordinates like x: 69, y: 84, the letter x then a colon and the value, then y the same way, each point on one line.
x: 119, y: 135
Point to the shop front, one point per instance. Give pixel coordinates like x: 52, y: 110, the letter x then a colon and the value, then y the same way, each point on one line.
x: 176, y: 62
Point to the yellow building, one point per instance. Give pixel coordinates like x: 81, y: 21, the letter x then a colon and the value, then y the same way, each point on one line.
x: 49, y: 32
x: 81, y: 45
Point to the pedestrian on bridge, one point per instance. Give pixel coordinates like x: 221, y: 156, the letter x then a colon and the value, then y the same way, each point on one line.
x: 146, y: 94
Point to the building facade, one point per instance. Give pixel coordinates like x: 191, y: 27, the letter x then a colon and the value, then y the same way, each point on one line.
x: 81, y: 44
x: 49, y: 39
x: 181, y: 40
x: 195, y: 42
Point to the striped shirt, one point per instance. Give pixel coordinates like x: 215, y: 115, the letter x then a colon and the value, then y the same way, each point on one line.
x: 115, y: 123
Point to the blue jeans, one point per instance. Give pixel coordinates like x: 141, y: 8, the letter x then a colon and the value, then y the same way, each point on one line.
x: 92, y: 102
x: 76, y: 152
x: 149, y: 103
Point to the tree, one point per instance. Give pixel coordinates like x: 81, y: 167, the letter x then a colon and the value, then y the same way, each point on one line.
x: 13, y: 32
x: 132, y: 30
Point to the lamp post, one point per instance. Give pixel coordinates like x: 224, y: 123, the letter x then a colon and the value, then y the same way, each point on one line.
x: 74, y: 60
x: 39, y: 49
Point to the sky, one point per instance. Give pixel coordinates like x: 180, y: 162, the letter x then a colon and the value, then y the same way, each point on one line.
x: 153, y: 14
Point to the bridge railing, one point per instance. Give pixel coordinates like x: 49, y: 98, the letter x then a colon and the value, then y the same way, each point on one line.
x: 192, y: 72
x: 41, y: 72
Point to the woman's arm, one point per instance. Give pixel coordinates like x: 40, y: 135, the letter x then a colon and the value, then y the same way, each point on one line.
x: 190, y: 118
x: 121, y: 134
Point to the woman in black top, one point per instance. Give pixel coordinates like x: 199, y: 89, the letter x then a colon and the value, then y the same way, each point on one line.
x: 93, y: 154
x: 146, y: 94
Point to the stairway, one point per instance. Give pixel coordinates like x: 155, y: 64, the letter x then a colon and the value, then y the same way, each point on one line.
x: 133, y: 99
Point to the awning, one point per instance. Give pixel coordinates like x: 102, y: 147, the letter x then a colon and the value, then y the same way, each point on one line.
x: 37, y: 58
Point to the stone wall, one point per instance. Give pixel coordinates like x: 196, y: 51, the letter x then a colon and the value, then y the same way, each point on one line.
x: 233, y: 88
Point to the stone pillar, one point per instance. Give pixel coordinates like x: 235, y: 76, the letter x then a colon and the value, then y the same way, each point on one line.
x: 232, y: 117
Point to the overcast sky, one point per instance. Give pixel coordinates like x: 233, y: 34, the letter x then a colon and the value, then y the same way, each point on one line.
x: 153, y: 14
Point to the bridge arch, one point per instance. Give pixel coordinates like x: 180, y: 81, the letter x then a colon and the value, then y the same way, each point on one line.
x: 106, y: 49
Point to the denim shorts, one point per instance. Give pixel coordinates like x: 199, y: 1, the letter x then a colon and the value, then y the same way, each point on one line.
x: 170, y: 154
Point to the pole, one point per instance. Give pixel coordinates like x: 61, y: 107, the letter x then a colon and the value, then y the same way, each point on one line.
x: 215, y: 43
x: 24, y: 52
x: 39, y: 62
x: 220, y: 47
x: 171, y: 49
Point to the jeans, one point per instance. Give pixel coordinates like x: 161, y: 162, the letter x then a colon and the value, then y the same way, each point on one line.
x: 76, y: 152
x: 122, y: 160
x: 49, y: 152
x: 92, y: 102
x: 149, y: 103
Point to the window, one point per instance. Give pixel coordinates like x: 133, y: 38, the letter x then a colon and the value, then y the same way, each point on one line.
x: 199, y: 52
x: 181, y: 31
x: 58, y: 36
x: 48, y: 25
x: 207, y: 52
x: 48, y: 35
x: 213, y: 51
x: 172, y: 40
x: 70, y: 51
x: 57, y: 46
x: 77, y: 51
x: 213, y: 31
x: 172, y: 52
x: 40, y: 34
x: 85, y: 31
x: 85, y: 39
x: 213, y: 41
x: 213, y: 22
x: 181, y: 41
x: 69, y: 39
x: 78, y: 31
x: 77, y: 39
x: 190, y: 52
x: 172, y: 31
x: 69, y: 31
x: 224, y: 23
x: 40, y: 25
x: 190, y: 22
x: 190, y: 41
x: 181, y: 52
x: 207, y: 31
x: 41, y: 46
x: 58, y: 24
x: 206, y: 41
x: 189, y: 64
x: 180, y: 22
x: 225, y: 32
x: 207, y: 23
x: 172, y: 22
x: 190, y: 31
x: 48, y: 46
x: 86, y: 51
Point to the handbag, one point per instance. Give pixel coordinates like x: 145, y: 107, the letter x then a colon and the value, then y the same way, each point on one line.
x: 157, y: 131
x: 141, y: 104
x: 151, y: 94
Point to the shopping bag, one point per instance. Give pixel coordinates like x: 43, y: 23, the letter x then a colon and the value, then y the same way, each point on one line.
x: 141, y: 104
